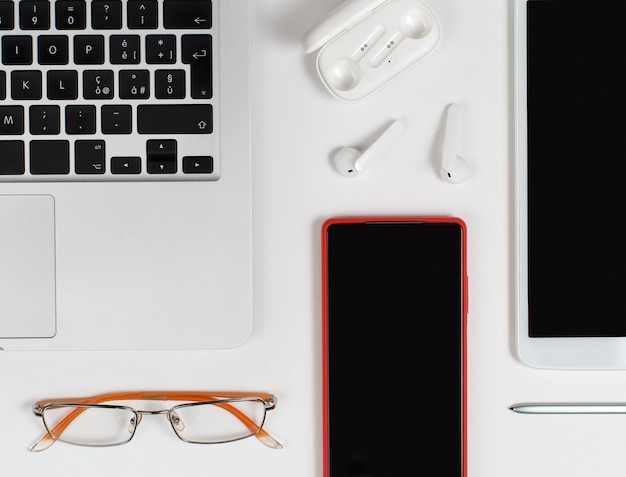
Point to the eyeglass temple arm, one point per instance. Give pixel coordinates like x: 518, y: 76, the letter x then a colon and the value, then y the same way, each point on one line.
x: 264, y: 436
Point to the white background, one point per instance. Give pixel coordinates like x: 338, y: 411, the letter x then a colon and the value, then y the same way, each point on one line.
x: 297, y: 125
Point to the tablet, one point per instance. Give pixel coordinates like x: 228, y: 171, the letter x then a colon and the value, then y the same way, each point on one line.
x: 569, y: 130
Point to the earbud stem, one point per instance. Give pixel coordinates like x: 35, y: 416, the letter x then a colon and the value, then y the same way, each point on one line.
x: 386, y: 139
x: 452, y: 137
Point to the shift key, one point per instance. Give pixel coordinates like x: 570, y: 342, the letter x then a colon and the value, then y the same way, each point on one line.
x: 175, y: 119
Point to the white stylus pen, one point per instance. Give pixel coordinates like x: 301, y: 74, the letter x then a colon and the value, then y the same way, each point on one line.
x: 570, y: 408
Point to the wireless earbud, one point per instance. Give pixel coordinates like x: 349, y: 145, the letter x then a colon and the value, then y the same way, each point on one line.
x: 454, y: 168
x: 415, y: 24
x: 350, y: 161
x: 346, y: 73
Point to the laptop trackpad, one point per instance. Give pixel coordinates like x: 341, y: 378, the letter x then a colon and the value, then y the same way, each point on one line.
x: 27, y: 266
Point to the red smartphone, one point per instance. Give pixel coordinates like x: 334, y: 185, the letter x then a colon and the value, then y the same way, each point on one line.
x: 394, y: 346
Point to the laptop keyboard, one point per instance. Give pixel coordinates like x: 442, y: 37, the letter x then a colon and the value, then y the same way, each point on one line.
x: 108, y: 91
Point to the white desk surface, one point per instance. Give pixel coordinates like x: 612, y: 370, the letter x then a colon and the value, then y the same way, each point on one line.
x: 297, y: 124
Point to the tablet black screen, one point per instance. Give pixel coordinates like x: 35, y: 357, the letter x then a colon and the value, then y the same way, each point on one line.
x: 576, y: 129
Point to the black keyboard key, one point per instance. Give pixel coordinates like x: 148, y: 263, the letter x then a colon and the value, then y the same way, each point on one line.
x: 126, y: 165
x: 34, y: 15
x: 197, y: 164
x: 142, y: 14
x: 169, y: 84
x: 196, y: 52
x: 175, y: 119
x: 7, y: 18
x: 160, y: 49
x: 26, y: 84
x: 106, y: 15
x: 12, y: 158
x: 201, y: 81
x: 98, y: 84
x: 80, y: 119
x: 70, y: 15
x: 196, y: 49
x: 134, y: 84
x: 50, y: 157
x: 17, y: 50
x: 52, y: 50
x: 116, y: 119
x: 89, y: 157
x: 187, y: 14
x: 125, y: 49
x: 89, y: 49
x: 161, y: 156
x: 11, y: 120
x: 62, y: 84
x: 44, y: 119
x: 3, y: 84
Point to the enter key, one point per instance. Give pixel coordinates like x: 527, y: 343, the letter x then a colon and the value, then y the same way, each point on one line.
x: 196, y: 52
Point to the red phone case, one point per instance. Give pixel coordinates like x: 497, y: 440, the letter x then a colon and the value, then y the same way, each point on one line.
x: 325, y: 402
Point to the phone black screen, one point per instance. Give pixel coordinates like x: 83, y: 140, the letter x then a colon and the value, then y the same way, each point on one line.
x: 575, y: 104
x: 395, y: 348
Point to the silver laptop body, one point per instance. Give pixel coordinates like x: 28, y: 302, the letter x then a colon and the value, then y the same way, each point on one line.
x: 130, y: 225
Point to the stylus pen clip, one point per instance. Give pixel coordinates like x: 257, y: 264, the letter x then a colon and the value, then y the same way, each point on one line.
x: 569, y: 408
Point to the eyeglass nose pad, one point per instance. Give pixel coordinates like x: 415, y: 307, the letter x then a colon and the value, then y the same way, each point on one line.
x: 176, y: 421
x: 134, y: 422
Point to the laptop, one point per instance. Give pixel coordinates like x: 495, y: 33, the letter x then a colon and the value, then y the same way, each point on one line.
x: 125, y: 175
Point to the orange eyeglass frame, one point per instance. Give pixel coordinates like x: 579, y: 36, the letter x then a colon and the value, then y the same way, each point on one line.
x: 190, y: 396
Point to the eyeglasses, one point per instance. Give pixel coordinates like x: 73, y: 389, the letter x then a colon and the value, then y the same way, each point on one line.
x: 201, y: 418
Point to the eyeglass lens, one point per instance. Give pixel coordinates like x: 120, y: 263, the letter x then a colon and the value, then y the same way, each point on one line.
x: 212, y: 423
x: 92, y: 426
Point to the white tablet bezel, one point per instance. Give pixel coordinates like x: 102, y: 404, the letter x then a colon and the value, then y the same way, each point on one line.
x: 552, y: 353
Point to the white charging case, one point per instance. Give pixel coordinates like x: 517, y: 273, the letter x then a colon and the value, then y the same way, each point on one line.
x: 366, y: 43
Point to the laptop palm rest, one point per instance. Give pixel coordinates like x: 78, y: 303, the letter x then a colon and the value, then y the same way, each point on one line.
x: 27, y: 266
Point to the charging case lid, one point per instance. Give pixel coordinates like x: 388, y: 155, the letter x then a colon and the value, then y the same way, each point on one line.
x: 345, y: 15
x: 364, y: 44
